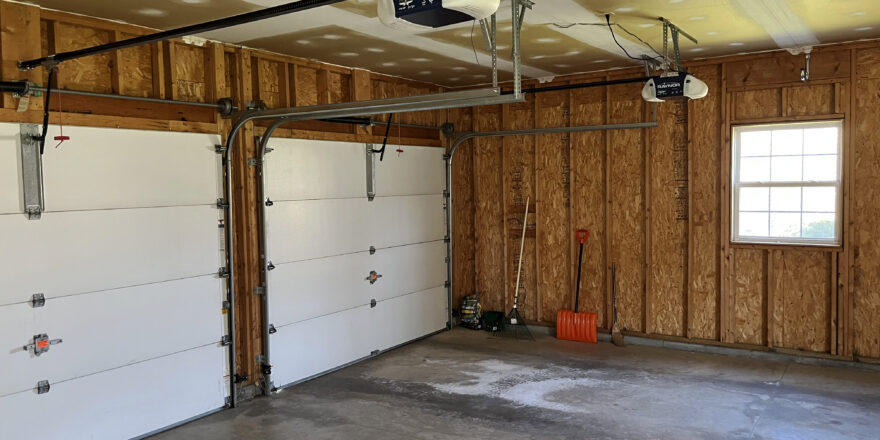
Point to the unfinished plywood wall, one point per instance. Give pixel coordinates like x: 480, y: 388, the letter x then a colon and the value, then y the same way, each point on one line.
x: 656, y: 202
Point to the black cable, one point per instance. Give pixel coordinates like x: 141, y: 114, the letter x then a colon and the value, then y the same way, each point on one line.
x: 385, y: 141
x: 640, y: 40
x: 611, y: 28
x: 46, y: 110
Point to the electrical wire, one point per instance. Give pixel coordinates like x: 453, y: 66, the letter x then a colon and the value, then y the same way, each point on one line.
x: 609, y: 25
x: 474, y: 45
x: 611, y: 28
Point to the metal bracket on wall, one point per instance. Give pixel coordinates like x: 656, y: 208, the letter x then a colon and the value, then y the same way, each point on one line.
x: 32, y: 171
x: 371, y: 173
x: 41, y: 344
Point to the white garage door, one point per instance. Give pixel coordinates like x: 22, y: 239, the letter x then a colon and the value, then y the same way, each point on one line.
x: 320, y: 229
x: 126, y: 256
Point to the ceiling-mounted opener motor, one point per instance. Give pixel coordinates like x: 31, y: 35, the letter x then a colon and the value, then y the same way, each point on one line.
x: 675, y: 82
x: 422, y: 15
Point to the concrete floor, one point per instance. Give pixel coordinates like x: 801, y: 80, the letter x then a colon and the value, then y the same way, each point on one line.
x: 469, y: 385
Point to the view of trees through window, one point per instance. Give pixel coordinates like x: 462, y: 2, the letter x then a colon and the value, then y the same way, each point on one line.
x: 786, y: 183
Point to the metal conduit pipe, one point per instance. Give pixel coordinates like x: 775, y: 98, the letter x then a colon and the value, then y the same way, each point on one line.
x: 473, y: 135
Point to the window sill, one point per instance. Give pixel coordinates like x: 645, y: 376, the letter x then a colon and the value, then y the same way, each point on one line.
x: 786, y: 246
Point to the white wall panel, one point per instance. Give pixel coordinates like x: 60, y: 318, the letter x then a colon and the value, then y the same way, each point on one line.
x: 121, y: 403
x: 10, y: 169
x: 109, y: 329
x: 301, y: 169
x: 320, y: 228
x: 418, y: 170
x: 84, y: 251
x: 402, y: 319
x: 311, y: 347
x: 318, y: 287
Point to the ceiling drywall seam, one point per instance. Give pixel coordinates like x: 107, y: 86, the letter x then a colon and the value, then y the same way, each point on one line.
x: 317, y: 18
x: 786, y: 28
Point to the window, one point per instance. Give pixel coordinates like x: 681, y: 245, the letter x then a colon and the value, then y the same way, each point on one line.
x: 786, y: 183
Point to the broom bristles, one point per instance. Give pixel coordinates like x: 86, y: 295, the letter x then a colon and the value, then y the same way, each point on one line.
x: 617, y: 336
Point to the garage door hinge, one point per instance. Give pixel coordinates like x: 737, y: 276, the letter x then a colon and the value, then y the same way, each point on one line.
x: 239, y: 378
x: 272, y: 329
x: 259, y: 290
x: 270, y: 266
x: 446, y: 260
x: 375, y: 353
x: 252, y: 161
x: 372, y: 250
x: 222, y: 204
x: 446, y: 283
x: 219, y: 149
x: 445, y: 194
x: 38, y: 300
x: 446, y: 239
x: 226, y: 340
x: 269, y: 202
x: 223, y: 272
x: 41, y: 344
x: 226, y: 305
x: 43, y: 387
x: 372, y: 303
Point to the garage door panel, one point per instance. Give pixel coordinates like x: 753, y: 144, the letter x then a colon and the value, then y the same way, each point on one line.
x: 402, y: 319
x: 300, y: 169
x: 10, y: 170
x: 318, y: 287
x: 311, y: 347
x: 85, y: 251
x: 418, y: 170
x: 121, y: 403
x: 302, y: 230
x: 99, y: 169
x: 109, y: 329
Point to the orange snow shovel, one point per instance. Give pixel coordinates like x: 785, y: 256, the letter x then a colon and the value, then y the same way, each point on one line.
x: 571, y: 325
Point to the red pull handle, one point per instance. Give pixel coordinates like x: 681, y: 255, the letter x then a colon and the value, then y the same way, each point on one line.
x: 582, y: 235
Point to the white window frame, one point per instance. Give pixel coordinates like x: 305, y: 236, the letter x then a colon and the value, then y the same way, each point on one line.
x: 735, y: 186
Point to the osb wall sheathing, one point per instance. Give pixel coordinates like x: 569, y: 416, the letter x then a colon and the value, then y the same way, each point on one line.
x: 656, y: 202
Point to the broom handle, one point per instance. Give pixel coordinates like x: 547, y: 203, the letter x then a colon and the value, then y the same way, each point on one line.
x: 522, y: 243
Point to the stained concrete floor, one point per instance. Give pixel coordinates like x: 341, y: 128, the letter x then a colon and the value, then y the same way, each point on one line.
x: 469, y: 385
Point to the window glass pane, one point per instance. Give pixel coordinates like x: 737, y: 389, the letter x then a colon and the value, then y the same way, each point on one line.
x: 818, y: 226
x: 785, y: 199
x: 755, y: 143
x: 786, y: 169
x: 786, y: 142
x: 754, y: 199
x: 785, y: 224
x: 753, y: 224
x: 820, y: 168
x: 821, y: 199
x: 821, y: 140
x: 754, y: 169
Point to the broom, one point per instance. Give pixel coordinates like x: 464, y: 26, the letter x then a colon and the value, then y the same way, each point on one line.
x: 514, y: 324
x: 616, y: 336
